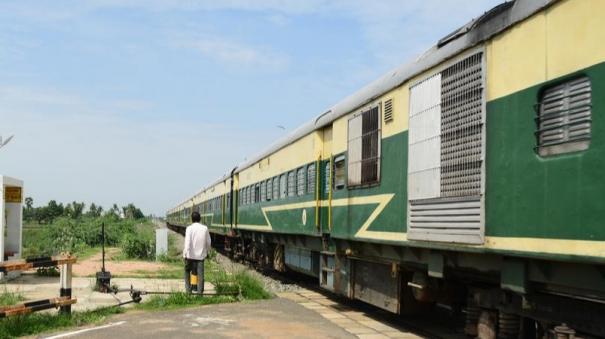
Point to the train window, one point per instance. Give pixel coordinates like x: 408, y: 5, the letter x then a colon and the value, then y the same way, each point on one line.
x: 564, y: 117
x: 300, y: 181
x: 246, y: 195
x: 263, y: 191
x: 269, y: 189
x: 291, y: 183
x: 228, y: 200
x: 283, y: 186
x: 275, y: 188
x: 311, y: 178
x: 364, y: 148
x: 327, y: 179
x: 339, y: 172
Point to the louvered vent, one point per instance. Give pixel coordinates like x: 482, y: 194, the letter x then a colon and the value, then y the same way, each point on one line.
x: 564, y: 117
x: 388, y: 110
x: 461, y: 128
x: 445, y: 158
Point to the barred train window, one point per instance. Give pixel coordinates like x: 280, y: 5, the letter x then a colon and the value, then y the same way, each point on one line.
x: 291, y: 184
x: 256, y: 193
x: 327, y: 182
x: 283, y: 186
x: 311, y: 179
x: 275, y: 188
x: 339, y: 172
x: 564, y: 117
x: 269, y: 189
x: 263, y: 191
x: 300, y: 181
x: 364, y: 148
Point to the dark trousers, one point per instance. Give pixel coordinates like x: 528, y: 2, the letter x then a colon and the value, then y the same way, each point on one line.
x: 196, y: 266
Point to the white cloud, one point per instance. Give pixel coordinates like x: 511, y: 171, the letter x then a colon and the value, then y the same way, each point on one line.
x: 238, y: 54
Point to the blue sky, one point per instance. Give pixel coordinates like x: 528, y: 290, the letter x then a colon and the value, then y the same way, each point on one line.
x: 147, y: 101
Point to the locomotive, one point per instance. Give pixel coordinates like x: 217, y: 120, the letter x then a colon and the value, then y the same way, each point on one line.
x: 470, y: 178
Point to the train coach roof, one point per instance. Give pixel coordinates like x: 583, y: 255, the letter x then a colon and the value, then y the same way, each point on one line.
x: 474, y: 32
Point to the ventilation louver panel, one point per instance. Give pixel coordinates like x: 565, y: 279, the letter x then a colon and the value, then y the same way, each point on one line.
x: 445, y: 157
x: 461, y: 128
x: 564, y: 120
x: 455, y: 220
x: 388, y: 111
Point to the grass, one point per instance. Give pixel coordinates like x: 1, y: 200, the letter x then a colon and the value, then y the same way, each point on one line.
x: 181, y: 300
x: 43, y: 322
x: 242, y: 283
x: 10, y: 298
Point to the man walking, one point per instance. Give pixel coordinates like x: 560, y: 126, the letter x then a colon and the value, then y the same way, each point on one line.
x: 197, y: 244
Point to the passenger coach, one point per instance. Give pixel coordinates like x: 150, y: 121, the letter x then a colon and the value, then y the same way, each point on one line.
x: 470, y: 179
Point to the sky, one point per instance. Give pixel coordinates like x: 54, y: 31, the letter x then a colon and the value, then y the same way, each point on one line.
x: 147, y: 101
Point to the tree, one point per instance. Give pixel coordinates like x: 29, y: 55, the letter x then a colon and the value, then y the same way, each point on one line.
x: 132, y: 212
x: 75, y: 209
x: 28, y: 209
x: 29, y: 203
x: 53, y: 211
x: 94, y: 210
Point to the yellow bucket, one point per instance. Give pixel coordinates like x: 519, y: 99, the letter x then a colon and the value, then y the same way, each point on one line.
x: 193, y: 279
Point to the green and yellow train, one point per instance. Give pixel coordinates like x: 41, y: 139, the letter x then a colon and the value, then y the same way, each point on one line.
x: 472, y: 178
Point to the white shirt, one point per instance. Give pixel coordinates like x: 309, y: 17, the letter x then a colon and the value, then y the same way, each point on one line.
x: 197, y: 242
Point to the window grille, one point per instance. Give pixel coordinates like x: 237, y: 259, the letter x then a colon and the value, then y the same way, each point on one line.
x: 339, y: 173
x: 263, y: 191
x: 462, y: 128
x: 311, y: 179
x: 364, y: 148
x: 275, y: 188
x: 327, y: 182
x: 388, y: 111
x: 291, y: 184
x: 445, y: 154
x: 300, y: 181
x: 269, y: 189
x: 283, y: 186
x: 564, y: 117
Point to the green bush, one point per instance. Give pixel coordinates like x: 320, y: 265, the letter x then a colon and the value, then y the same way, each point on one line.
x: 139, y: 246
x: 79, y: 235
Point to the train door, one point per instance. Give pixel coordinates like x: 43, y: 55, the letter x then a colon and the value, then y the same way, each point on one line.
x: 325, y: 187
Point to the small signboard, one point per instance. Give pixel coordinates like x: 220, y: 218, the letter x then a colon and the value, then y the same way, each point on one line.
x: 12, y: 195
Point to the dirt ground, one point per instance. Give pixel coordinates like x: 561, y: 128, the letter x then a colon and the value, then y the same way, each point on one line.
x: 88, y: 267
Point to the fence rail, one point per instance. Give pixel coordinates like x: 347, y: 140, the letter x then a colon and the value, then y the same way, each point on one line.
x: 65, y: 300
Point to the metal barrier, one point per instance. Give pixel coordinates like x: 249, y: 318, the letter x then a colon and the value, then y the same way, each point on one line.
x: 65, y: 300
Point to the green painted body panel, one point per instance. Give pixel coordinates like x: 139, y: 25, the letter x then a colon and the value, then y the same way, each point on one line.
x: 558, y: 197
x: 528, y: 195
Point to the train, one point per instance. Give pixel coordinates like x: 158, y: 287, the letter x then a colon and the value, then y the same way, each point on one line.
x: 471, y: 179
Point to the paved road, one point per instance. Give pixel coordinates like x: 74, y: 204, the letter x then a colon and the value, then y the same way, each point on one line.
x: 301, y: 314
x: 275, y: 318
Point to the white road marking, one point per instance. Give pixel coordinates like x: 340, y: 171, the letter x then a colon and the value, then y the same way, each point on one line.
x: 69, y: 334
